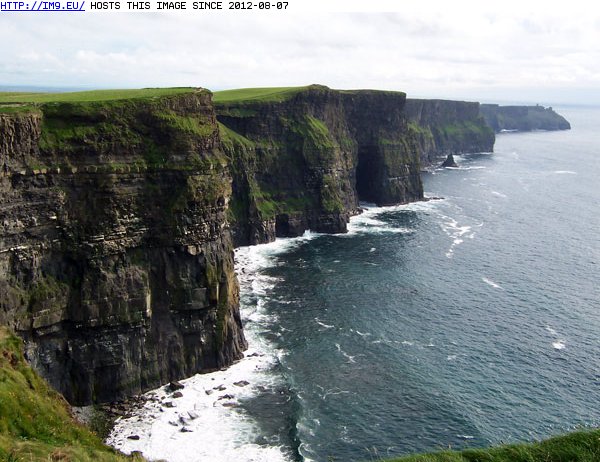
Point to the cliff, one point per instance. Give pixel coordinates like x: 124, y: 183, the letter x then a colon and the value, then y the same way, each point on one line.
x: 304, y: 157
x: 522, y: 118
x: 116, y: 261
x: 119, y: 211
x: 446, y: 127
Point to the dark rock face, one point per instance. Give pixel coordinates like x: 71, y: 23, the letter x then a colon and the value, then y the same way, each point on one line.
x: 304, y: 163
x: 449, y: 162
x: 445, y: 127
x: 117, y: 265
x: 522, y: 118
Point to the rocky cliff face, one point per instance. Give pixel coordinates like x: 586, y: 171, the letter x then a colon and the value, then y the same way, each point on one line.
x: 522, y: 118
x: 116, y: 261
x: 445, y: 127
x: 304, y: 162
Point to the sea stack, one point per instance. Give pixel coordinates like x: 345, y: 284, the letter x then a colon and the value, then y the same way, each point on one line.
x: 449, y: 162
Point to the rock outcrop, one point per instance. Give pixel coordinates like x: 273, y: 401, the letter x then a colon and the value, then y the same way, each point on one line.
x: 449, y: 162
x: 522, y: 118
x: 116, y: 260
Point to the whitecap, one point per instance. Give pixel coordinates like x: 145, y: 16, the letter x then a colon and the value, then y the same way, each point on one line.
x: 559, y: 345
x: 491, y: 283
x: 362, y: 334
x: 326, y: 326
x: 350, y: 358
x: 373, y: 249
x: 334, y: 391
x: 407, y: 343
x: 499, y: 194
x: 565, y: 172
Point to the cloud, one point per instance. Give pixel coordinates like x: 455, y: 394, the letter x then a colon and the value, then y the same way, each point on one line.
x: 415, y: 50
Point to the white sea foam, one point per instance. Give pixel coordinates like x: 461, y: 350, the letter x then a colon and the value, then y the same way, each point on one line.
x: 499, y: 194
x: 407, y: 343
x: 326, y: 326
x: 362, y: 334
x: 367, y: 222
x: 559, y: 345
x: 372, y: 249
x: 344, y: 354
x: 216, y: 427
x: 473, y: 167
x: 565, y: 172
x: 492, y: 283
x: 456, y: 232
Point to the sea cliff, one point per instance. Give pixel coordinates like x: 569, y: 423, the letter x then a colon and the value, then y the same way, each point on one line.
x: 119, y: 213
x: 117, y: 263
x: 522, y: 118
x: 448, y: 127
x: 304, y: 158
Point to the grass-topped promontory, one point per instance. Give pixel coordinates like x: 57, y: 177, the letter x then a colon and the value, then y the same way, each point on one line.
x: 581, y: 446
x: 35, y: 423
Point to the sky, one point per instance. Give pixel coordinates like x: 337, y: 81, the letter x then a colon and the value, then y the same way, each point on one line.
x: 509, y: 51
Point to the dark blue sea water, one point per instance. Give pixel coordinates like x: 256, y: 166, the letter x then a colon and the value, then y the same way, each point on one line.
x: 466, y: 321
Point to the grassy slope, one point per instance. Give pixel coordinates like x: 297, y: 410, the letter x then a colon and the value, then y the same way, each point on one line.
x: 583, y: 446
x: 35, y: 423
x: 86, y: 96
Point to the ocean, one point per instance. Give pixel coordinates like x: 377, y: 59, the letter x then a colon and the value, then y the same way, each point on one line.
x: 465, y: 321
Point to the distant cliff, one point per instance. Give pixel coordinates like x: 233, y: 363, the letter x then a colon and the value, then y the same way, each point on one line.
x: 448, y: 127
x: 303, y: 158
x: 522, y: 118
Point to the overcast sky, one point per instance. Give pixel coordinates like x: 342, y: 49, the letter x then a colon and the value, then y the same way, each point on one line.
x: 521, y: 51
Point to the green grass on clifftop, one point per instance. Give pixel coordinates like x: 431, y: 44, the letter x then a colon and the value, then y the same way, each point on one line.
x: 582, y: 446
x: 274, y: 94
x: 88, y: 96
x: 35, y: 423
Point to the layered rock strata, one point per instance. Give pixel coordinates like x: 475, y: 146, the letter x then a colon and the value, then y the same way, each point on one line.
x: 116, y: 260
